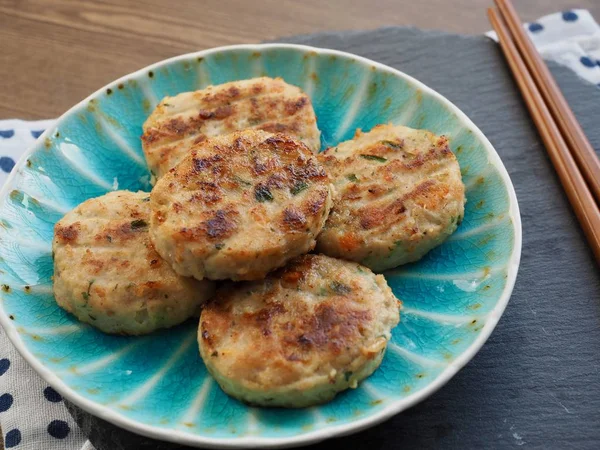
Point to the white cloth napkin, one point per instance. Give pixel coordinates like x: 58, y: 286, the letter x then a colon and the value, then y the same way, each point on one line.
x: 570, y: 38
x: 32, y: 414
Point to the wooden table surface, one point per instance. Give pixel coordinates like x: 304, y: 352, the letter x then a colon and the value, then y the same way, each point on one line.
x: 56, y: 52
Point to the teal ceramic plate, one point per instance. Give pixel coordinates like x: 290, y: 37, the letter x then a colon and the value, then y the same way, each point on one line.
x: 157, y: 385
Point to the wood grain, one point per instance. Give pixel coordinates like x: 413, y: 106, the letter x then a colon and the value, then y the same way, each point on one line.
x: 56, y: 52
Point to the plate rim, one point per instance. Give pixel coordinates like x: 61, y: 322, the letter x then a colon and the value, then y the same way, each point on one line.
x: 197, y: 440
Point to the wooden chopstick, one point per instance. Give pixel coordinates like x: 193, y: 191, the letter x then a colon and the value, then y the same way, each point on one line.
x: 570, y: 177
x: 579, y: 145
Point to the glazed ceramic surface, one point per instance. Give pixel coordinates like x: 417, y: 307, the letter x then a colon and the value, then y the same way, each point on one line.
x: 157, y: 385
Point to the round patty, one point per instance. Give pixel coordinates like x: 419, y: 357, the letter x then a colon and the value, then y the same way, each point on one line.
x: 239, y: 206
x: 399, y: 194
x: 295, y: 339
x: 191, y: 117
x: 107, y: 273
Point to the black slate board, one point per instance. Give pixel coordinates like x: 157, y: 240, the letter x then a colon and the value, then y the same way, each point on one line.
x: 536, y: 382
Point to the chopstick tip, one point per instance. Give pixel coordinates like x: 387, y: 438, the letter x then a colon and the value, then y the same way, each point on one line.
x: 492, y: 16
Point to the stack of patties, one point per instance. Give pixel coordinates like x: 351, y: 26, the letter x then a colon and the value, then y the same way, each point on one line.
x: 240, y: 195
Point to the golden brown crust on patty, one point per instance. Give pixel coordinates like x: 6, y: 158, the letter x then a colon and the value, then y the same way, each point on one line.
x: 190, y: 118
x: 309, y: 330
x: 240, y: 205
x: 107, y: 272
x: 399, y: 194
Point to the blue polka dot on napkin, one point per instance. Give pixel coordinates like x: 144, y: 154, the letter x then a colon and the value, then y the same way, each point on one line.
x: 6, y: 401
x: 570, y: 16
x: 535, y: 27
x: 51, y: 395
x: 6, y: 163
x: 58, y: 429
x: 12, y: 438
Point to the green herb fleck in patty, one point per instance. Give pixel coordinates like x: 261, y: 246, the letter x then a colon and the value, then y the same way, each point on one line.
x: 374, y: 158
x: 340, y: 288
x: 262, y: 194
x: 86, y: 295
x: 139, y: 223
x: 298, y: 187
x: 392, y: 144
